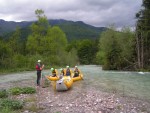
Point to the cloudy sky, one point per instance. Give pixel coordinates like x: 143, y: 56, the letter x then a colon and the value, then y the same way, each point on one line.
x: 94, y: 12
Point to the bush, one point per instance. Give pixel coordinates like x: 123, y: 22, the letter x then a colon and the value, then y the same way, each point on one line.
x: 16, y: 91
x: 3, y: 93
x: 6, y: 110
x: 28, y: 90
x: 25, y: 90
x: 12, y: 104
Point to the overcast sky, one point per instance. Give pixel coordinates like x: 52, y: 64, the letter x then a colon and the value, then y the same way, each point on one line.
x: 94, y: 12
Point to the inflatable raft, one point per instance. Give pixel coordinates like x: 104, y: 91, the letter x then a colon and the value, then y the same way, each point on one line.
x: 80, y: 77
x: 64, y: 84
x: 51, y: 78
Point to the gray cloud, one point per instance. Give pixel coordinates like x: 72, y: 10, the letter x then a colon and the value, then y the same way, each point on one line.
x: 94, y: 12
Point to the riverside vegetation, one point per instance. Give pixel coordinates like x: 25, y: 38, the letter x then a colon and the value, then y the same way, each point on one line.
x: 8, y: 103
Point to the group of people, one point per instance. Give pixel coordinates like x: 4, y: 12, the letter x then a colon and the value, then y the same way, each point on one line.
x: 63, y: 72
x: 66, y: 72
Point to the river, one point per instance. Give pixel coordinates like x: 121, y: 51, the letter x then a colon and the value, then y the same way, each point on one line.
x: 126, y: 83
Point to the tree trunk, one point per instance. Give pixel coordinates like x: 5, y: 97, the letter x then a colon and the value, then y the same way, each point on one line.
x: 142, y: 51
x: 138, y: 50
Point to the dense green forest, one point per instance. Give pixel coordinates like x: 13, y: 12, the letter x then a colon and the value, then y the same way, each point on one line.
x: 114, y: 50
x: 143, y: 35
x: 45, y: 42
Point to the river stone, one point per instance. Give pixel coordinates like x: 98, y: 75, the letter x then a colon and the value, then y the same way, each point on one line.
x: 67, y: 107
x: 26, y: 111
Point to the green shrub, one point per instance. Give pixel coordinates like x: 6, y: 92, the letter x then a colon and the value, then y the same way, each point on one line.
x: 3, y: 93
x: 6, y: 110
x: 28, y: 90
x: 12, y: 104
x: 15, y: 91
x: 25, y: 90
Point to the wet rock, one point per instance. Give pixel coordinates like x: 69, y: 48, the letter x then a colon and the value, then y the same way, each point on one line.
x: 51, y: 105
x: 70, y: 105
x: 67, y: 107
x: 117, y: 100
x: 95, y: 103
x: 60, y: 105
x: 112, y: 101
x: 110, y: 107
x: 26, y: 111
x: 56, y: 97
x: 76, y: 105
x: 98, y: 100
x: 50, y: 101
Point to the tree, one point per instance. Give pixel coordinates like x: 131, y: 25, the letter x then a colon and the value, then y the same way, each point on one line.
x: 50, y: 42
x: 109, y: 49
x: 116, y: 49
x: 4, y: 54
x: 126, y: 41
x: 143, y: 35
x: 57, y: 40
x: 15, y: 42
x: 39, y: 31
x: 85, y: 52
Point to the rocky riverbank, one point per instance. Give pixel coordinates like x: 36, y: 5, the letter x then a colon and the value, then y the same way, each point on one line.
x: 79, y: 99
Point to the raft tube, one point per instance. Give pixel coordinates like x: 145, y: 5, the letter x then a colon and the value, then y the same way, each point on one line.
x: 52, y: 78
x: 80, y: 77
x: 64, y: 84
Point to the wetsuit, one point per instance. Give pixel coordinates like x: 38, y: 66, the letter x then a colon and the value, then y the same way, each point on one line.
x: 38, y: 68
x: 54, y: 73
x: 76, y: 72
x: 68, y: 72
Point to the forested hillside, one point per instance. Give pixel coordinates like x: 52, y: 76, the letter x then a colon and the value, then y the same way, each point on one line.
x: 73, y: 30
x: 48, y: 43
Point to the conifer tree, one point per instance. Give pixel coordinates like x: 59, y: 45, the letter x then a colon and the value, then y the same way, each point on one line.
x: 143, y: 35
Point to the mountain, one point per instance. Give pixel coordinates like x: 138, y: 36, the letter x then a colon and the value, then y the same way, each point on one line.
x: 73, y: 30
x: 9, y: 26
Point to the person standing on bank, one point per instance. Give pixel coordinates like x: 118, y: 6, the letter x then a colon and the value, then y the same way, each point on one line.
x: 39, y: 68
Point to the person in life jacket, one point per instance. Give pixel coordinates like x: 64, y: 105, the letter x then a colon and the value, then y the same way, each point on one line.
x: 39, y: 68
x: 68, y: 71
x: 76, y: 72
x: 54, y: 72
x: 62, y: 71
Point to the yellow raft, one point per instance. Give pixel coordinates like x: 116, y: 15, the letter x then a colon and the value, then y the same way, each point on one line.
x: 52, y: 78
x: 64, y: 84
x: 80, y: 77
